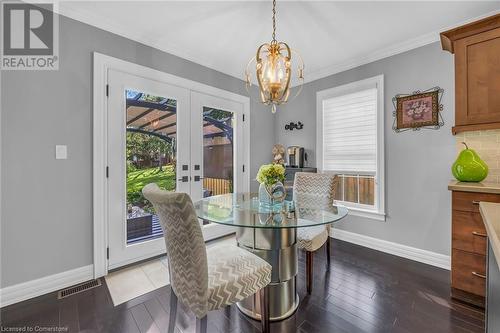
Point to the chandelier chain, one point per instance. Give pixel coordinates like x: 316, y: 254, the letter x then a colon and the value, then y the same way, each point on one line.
x: 274, y: 21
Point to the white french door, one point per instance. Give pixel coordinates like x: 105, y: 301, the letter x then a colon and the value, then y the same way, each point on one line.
x: 184, y: 141
x: 217, y: 143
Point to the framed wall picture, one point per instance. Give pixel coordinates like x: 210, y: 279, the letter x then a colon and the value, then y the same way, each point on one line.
x: 421, y: 109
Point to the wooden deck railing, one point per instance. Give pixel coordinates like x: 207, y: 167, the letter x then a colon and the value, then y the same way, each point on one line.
x: 356, y: 188
x: 217, y: 186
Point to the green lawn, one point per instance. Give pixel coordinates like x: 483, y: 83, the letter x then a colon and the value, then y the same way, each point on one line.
x: 136, y: 180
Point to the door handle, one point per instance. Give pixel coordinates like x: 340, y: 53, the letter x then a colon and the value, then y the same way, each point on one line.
x: 475, y: 202
x: 197, y: 178
x: 184, y: 179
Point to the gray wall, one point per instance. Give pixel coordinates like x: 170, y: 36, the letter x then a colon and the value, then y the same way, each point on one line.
x: 47, y: 204
x: 418, y: 204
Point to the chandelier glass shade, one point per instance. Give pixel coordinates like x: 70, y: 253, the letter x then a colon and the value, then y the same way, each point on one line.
x: 273, y: 70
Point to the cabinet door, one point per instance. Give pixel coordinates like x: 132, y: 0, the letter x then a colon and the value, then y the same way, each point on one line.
x: 468, y: 232
x: 468, y: 272
x: 477, y: 70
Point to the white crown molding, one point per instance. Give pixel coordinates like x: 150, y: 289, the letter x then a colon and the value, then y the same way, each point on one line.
x: 99, y: 22
x: 34, y: 288
x: 394, y: 49
x: 400, y: 250
x: 105, y: 24
x: 377, y: 55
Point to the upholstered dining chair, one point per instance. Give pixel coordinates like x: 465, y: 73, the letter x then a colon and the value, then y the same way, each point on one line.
x: 205, y: 279
x: 314, y: 190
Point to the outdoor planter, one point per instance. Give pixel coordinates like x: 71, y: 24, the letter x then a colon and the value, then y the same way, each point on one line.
x: 139, y: 224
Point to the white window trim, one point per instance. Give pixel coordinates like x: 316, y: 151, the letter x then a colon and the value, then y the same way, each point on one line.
x: 377, y: 81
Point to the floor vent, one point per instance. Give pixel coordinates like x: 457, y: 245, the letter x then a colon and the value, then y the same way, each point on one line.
x: 78, y: 288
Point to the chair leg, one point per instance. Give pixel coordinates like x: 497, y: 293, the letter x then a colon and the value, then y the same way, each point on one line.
x: 173, y: 311
x: 264, y: 309
x: 201, y: 325
x: 309, y: 270
x: 328, y: 251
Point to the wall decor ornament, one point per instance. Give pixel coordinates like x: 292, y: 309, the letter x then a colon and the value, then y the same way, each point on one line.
x: 291, y: 126
x: 420, y: 109
x: 279, y: 154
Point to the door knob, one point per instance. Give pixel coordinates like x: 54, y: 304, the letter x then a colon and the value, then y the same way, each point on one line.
x: 184, y: 179
x: 197, y: 178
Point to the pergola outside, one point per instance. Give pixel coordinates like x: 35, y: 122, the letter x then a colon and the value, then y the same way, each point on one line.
x: 156, y: 117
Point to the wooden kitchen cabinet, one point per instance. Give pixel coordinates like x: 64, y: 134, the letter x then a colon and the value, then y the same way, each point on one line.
x: 477, y: 74
x: 469, y: 240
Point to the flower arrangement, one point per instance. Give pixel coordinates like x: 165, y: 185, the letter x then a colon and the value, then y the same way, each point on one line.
x: 270, y: 174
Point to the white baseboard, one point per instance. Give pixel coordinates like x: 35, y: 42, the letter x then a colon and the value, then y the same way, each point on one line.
x: 400, y: 250
x: 26, y: 290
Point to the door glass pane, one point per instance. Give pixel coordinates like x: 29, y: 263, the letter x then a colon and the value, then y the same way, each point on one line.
x: 218, y: 152
x: 150, y: 158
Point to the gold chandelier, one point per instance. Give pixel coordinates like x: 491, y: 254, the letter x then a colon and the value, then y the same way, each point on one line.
x: 273, y: 65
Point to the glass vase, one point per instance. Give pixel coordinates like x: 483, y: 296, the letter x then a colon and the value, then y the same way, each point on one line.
x: 264, y: 197
x: 272, y: 194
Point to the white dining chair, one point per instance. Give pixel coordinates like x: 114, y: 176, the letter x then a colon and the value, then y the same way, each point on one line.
x: 205, y: 279
x: 314, y: 190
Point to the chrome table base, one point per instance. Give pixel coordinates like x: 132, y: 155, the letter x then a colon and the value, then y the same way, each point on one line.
x: 279, y: 248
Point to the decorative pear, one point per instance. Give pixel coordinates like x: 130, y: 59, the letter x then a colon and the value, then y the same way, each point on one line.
x: 469, y: 167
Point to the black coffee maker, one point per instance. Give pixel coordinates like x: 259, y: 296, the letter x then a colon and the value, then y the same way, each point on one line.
x: 296, y: 156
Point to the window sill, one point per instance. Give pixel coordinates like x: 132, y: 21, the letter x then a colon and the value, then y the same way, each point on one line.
x: 366, y: 213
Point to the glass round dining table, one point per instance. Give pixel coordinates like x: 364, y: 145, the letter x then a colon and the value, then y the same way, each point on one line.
x: 270, y: 232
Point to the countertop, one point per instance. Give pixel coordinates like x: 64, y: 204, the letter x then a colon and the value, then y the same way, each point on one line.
x: 491, y: 217
x: 483, y: 187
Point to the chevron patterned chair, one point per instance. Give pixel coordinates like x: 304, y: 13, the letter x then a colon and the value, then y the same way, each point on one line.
x: 205, y: 279
x: 313, y: 190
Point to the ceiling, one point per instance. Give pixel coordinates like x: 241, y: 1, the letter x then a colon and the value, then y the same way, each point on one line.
x: 330, y: 36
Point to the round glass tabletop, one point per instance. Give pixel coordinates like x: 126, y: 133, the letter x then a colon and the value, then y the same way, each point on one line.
x: 245, y: 210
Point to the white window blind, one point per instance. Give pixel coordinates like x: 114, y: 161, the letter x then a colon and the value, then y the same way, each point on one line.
x: 350, y: 132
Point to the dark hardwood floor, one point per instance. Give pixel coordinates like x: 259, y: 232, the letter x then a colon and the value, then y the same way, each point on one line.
x: 364, y: 291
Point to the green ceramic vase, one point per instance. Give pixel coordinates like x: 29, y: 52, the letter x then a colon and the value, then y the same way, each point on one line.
x: 469, y: 167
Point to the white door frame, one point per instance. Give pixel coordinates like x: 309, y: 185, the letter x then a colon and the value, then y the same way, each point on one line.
x: 102, y: 63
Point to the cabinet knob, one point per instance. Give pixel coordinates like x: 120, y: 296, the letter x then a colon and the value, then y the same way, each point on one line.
x: 475, y: 233
x: 479, y: 275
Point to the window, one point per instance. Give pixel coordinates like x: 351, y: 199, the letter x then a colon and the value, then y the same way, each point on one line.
x: 350, y: 144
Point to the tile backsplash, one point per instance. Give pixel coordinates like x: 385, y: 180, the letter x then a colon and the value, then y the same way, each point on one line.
x: 487, y: 145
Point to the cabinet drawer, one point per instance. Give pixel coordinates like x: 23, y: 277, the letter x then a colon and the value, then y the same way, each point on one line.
x: 468, y: 272
x: 468, y: 232
x: 469, y: 201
